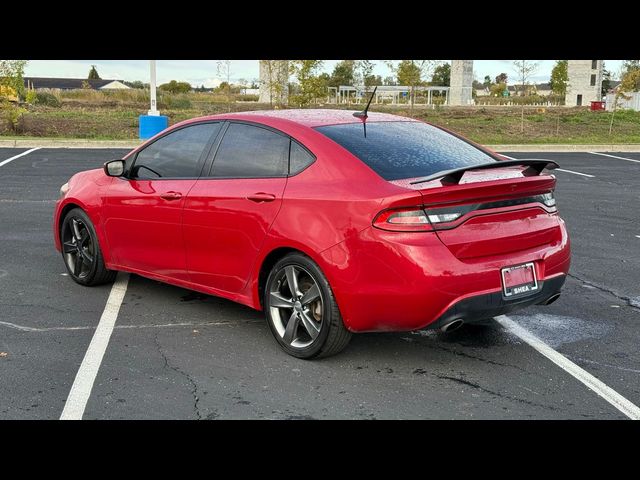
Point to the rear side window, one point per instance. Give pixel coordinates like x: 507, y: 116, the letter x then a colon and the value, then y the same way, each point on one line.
x: 176, y: 155
x: 299, y: 158
x: 248, y: 151
x: 396, y: 150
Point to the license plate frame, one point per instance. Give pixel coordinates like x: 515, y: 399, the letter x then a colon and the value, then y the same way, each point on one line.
x: 521, y: 289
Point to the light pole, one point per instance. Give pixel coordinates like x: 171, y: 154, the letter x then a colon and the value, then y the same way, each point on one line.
x: 152, y: 84
x: 152, y: 123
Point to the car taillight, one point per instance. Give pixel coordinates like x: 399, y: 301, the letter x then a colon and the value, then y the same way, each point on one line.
x: 403, y: 220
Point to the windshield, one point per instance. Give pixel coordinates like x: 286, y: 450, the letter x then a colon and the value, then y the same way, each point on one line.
x: 396, y: 150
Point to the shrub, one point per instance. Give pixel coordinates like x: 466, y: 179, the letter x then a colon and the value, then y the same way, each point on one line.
x: 48, y: 99
x: 174, y: 102
x: 30, y: 96
x: 247, y: 98
x: 11, y: 113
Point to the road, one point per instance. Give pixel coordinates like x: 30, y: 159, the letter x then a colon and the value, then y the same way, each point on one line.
x: 178, y: 354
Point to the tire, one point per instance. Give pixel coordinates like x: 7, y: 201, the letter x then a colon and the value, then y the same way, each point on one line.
x: 331, y: 336
x: 89, y: 270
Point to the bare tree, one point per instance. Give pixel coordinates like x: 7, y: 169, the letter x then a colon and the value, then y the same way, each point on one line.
x: 224, y: 68
x: 524, y: 69
x: 278, y: 75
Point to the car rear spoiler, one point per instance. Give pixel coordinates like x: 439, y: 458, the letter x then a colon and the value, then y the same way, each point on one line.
x: 453, y: 176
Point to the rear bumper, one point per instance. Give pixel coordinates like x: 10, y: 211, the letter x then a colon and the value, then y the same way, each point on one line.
x: 389, y: 281
x: 481, y: 307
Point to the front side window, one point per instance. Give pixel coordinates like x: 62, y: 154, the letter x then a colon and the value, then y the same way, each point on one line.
x: 396, y: 150
x: 176, y: 155
x: 247, y: 151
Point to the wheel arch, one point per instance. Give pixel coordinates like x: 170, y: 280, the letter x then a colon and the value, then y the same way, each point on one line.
x: 95, y: 218
x: 268, y: 261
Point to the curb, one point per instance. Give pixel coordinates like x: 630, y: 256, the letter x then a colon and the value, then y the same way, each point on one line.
x: 632, y: 148
x: 81, y: 143
x: 68, y: 143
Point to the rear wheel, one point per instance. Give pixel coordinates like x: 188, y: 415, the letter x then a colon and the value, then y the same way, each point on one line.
x: 301, y: 310
x: 81, y: 251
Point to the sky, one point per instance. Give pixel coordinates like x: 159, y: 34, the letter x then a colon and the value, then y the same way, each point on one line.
x: 205, y: 72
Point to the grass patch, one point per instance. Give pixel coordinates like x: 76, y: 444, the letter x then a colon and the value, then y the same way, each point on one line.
x: 114, y: 115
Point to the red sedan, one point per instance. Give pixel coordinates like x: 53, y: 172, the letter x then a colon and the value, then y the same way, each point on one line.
x: 331, y: 223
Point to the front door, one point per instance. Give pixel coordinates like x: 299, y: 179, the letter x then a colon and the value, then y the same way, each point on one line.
x: 228, y: 214
x: 143, y: 212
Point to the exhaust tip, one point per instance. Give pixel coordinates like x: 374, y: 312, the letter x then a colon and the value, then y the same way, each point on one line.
x: 551, y: 299
x: 451, y: 326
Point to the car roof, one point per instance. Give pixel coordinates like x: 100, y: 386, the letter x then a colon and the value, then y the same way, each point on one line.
x: 307, y: 117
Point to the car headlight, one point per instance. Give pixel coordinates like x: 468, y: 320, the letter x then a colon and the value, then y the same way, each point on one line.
x: 64, y: 189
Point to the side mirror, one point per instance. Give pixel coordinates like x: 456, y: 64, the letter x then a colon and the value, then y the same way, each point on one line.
x: 114, y: 168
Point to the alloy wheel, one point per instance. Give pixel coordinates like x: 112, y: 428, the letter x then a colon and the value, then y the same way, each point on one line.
x: 296, y: 306
x: 78, y: 247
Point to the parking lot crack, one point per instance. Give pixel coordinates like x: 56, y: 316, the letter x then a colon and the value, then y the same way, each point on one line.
x: 194, y: 386
x: 494, y: 393
x: 631, y: 302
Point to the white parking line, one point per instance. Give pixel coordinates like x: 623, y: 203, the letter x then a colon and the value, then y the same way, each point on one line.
x: 558, y: 169
x: 83, y: 383
x: 610, y: 395
x: 575, y: 173
x: 4, y: 162
x: 614, y: 156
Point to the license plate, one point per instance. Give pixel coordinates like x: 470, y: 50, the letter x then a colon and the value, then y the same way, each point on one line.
x: 519, y: 280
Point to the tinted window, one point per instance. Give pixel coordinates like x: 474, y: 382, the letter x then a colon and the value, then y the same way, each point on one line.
x: 249, y: 151
x: 176, y: 154
x: 299, y: 158
x: 397, y: 150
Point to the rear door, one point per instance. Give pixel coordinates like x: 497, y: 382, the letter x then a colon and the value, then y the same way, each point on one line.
x: 143, y: 213
x: 228, y: 214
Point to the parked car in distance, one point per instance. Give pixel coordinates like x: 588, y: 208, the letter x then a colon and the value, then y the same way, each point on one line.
x: 328, y: 229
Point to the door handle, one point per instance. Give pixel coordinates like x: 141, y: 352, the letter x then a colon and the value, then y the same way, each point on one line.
x: 171, y: 196
x: 261, y: 197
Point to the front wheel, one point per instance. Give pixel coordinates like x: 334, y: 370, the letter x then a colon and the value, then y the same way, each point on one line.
x: 81, y: 251
x: 301, y: 310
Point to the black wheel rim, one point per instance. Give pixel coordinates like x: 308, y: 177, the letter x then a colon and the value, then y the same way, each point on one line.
x: 296, y: 306
x: 78, y: 248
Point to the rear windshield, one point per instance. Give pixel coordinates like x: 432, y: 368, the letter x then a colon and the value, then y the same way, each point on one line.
x: 396, y: 150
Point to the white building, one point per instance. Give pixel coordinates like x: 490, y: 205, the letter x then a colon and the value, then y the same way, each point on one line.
x: 585, y: 82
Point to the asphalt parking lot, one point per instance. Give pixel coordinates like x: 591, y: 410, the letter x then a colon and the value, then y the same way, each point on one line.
x: 178, y: 354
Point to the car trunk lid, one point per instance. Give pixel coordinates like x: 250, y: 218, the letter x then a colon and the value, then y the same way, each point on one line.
x: 493, y: 211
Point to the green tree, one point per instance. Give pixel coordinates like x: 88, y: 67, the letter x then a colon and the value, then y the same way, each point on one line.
x: 342, y: 74
x: 136, y: 84
x: 630, y: 65
x: 93, y: 73
x: 497, y: 89
x: 442, y: 75
x: 372, y: 80
x: 175, y: 87
x: 310, y: 85
x: 606, y: 81
x: 502, y: 78
x: 559, y: 77
x: 410, y: 73
x: 364, y: 72
x: 12, y: 75
x: 389, y: 81
x: 224, y: 69
x: 630, y: 82
x: 12, y: 81
x: 487, y: 81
